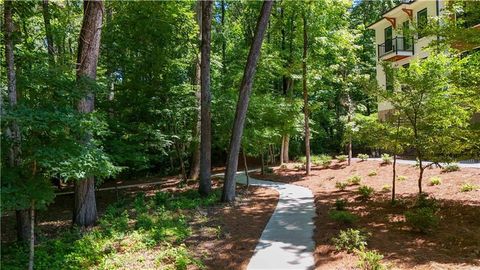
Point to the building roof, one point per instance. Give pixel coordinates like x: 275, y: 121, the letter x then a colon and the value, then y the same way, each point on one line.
x: 404, y: 4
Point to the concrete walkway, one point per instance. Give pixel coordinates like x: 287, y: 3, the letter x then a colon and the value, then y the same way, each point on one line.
x: 414, y: 162
x: 287, y: 240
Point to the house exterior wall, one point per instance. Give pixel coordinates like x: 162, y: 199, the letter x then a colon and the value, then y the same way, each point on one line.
x: 419, y: 43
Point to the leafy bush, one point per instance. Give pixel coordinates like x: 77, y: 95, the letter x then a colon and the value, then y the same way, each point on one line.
x: 426, y: 201
x: 283, y: 167
x: 302, y: 159
x: 268, y: 170
x: 139, y: 203
x: 372, y: 173
x: 370, y: 260
x: 340, y: 204
x: 144, y: 222
x: 322, y: 160
x: 161, y: 198
x: 451, y: 167
x: 386, y: 188
x: 342, y: 158
x: 179, y: 257
x: 423, y: 219
x: 354, y: 180
x: 342, y: 216
x: 468, y: 187
x: 435, y: 181
x: 350, y: 240
x: 341, y: 185
x: 365, y: 192
x: 363, y: 157
x: 386, y: 159
x: 402, y: 178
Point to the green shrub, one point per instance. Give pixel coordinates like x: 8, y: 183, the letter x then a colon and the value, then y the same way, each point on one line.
x: 144, y: 221
x: 283, y: 167
x: 139, y: 203
x: 468, y: 187
x: 386, y: 159
x: 402, y: 178
x: 350, y: 240
x: 178, y: 257
x: 302, y: 160
x: 365, y: 192
x: 426, y: 201
x: 342, y: 158
x: 386, y: 188
x: 451, y: 167
x: 161, y: 198
x: 354, y: 180
x: 435, y: 181
x: 268, y: 170
x: 423, y: 219
x: 370, y: 260
x: 340, y: 204
x: 363, y: 157
x: 342, y: 216
x: 322, y: 160
x: 372, y: 173
x: 341, y: 185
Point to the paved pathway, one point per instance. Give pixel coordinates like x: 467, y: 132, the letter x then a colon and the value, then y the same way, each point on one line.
x: 287, y: 240
x: 413, y: 162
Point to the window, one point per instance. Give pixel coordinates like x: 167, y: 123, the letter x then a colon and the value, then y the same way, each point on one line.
x: 388, y: 39
x: 422, y: 20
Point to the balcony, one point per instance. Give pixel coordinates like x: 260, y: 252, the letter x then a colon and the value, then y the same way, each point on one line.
x: 396, y: 49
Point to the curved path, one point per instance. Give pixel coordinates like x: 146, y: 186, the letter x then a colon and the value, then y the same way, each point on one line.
x: 287, y: 240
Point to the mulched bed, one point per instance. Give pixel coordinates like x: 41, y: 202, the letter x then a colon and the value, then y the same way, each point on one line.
x: 454, y: 245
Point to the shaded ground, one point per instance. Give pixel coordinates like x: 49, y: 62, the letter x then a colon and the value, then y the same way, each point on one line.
x: 455, y: 245
x: 223, y: 236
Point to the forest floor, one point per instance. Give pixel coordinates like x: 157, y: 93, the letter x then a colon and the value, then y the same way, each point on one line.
x: 221, y: 236
x: 455, y: 244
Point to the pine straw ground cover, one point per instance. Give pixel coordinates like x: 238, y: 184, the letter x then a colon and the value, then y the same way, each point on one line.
x: 454, y: 244
x: 153, y: 227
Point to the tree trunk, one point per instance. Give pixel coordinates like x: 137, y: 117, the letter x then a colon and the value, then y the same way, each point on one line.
x: 282, y: 150
x: 349, y: 141
x: 420, y: 177
x: 228, y: 194
x: 48, y: 30
x: 394, y: 178
x: 195, y: 161
x: 286, y: 159
x: 85, y: 210
x: 32, y: 237
x: 182, y: 166
x: 205, y: 186
x: 245, y: 167
x: 305, y: 95
x: 13, y: 131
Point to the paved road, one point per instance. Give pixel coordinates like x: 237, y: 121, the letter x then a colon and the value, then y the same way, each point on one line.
x: 287, y: 240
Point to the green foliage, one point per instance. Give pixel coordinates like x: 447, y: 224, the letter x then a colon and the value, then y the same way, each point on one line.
x: 350, y: 240
x: 363, y: 157
x: 322, y: 160
x: 365, y: 192
x: 354, y: 180
x: 341, y: 185
x: 402, y: 178
x: 340, y: 204
x: 386, y: 159
x: 435, y: 181
x: 372, y: 173
x: 370, y: 260
x: 451, y: 167
x: 386, y: 188
x: 342, y: 216
x: 153, y: 227
x: 423, y: 219
x: 342, y: 158
x: 467, y: 187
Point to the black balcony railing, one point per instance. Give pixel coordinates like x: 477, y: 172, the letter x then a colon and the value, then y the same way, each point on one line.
x: 395, y: 45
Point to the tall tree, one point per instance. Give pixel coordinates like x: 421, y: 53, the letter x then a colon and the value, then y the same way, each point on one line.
x: 195, y: 160
x: 228, y: 194
x: 305, y: 94
x: 13, y: 131
x: 206, y: 127
x: 85, y: 211
x: 48, y: 30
